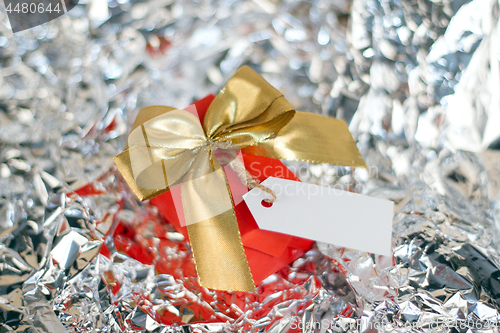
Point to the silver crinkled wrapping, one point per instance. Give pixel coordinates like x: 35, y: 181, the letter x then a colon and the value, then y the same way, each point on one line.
x: 417, y: 80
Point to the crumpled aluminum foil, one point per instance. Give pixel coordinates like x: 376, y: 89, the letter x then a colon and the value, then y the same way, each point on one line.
x: 417, y: 81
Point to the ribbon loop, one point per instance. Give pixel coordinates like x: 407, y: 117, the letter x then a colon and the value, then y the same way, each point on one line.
x: 248, y: 102
x: 165, y: 148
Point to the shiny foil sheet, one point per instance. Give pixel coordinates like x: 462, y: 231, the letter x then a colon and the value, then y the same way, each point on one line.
x: 417, y: 81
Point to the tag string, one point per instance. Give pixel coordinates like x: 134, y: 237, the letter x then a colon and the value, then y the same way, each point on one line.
x: 237, y: 165
x: 250, y: 181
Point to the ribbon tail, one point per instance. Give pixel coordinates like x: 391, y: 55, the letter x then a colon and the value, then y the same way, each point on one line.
x: 124, y: 165
x: 314, y: 138
x: 216, y: 243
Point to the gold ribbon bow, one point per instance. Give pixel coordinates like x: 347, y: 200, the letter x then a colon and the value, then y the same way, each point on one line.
x: 168, y: 146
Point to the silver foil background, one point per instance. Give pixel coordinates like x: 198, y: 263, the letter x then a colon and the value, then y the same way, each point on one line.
x: 418, y: 82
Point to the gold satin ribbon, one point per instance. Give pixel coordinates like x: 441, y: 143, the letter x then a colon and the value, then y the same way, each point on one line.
x: 168, y: 146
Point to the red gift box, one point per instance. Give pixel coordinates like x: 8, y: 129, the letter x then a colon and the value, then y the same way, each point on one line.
x: 267, y: 252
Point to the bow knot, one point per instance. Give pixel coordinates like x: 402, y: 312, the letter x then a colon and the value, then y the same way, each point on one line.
x: 224, y: 145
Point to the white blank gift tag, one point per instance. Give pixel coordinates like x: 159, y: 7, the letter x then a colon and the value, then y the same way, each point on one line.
x: 324, y: 214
